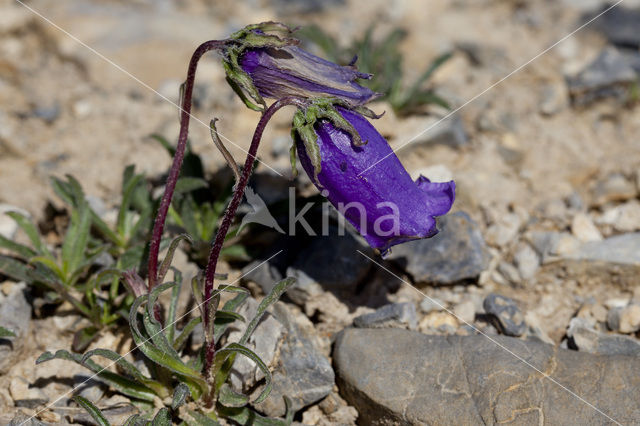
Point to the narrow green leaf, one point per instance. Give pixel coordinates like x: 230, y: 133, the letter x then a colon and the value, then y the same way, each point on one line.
x: 229, y: 315
x: 156, y: 355
x: 235, y: 252
x: 181, y: 339
x: 120, y: 383
x: 83, y: 338
x: 135, y: 420
x: 188, y: 184
x: 63, y: 189
x: 92, y: 410
x: 162, y: 418
x: 180, y: 394
x: 77, y: 237
x: 437, y: 63
x: 202, y: 420
x: 19, y: 249
x: 273, y: 296
x: 152, y: 325
x: 127, y: 193
x: 15, y: 269
x: 129, y: 369
x: 32, y: 233
x: 230, y: 398
x: 164, y: 143
x: 230, y: 305
x: 51, y: 265
x: 166, y: 263
x: 5, y: 332
x: 235, y: 348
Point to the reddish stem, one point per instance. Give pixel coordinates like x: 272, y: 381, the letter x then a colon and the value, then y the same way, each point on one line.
x: 230, y: 213
x: 174, y: 173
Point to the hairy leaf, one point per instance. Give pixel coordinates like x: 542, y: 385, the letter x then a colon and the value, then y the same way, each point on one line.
x: 92, y: 410
x: 180, y: 394
x: 120, y: 383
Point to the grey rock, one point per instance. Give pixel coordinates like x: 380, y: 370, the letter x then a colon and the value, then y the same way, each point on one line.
x: 264, y: 342
x: 24, y: 420
x: 472, y: 380
x: 89, y: 388
x: 98, y: 205
x: 449, y: 131
x: 586, y: 339
x: 330, y: 263
x: 552, y: 100
x: 465, y: 311
x: 15, y: 315
x: 265, y: 274
x: 621, y: 249
x: 302, y: 373
x: 48, y: 113
x: 506, y: 315
x: 509, y: 271
x: 458, y: 252
x: 613, y: 188
x: 280, y: 146
x: 527, y: 261
x: 545, y: 243
x: 609, y: 75
x: 620, y: 26
x: 24, y: 395
x: 430, y: 304
x: 483, y: 55
x: 399, y: 315
x: 624, y: 319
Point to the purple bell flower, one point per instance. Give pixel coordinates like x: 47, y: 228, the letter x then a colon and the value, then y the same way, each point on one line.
x: 278, y: 72
x: 384, y: 204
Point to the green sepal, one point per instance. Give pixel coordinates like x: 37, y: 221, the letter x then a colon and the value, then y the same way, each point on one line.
x: 247, y: 38
x: 304, y: 122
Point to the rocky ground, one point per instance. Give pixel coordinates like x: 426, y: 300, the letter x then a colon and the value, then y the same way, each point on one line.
x: 524, y: 309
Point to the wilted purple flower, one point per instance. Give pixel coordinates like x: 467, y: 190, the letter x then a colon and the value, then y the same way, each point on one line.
x: 384, y: 204
x: 290, y: 71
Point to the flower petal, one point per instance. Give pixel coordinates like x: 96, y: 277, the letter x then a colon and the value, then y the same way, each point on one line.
x: 385, y: 205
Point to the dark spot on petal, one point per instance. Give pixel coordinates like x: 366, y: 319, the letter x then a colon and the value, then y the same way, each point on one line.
x: 343, y: 166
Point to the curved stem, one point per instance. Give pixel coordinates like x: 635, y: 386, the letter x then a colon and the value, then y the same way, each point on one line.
x: 230, y: 213
x: 174, y: 173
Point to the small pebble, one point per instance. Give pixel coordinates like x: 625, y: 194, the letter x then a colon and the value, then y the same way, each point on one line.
x: 624, y: 320
x: 509, y: 272
x: 508, y: 317
x: 465, y: 311
x: 430, y: 304
x: 527, y: 261
x: 441, y: 322
x: 583, y: 228
x: 25, y: 396
x: 399, y: 315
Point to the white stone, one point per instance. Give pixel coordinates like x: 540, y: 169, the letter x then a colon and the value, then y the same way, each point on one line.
x: 435, y: 173
x: 465, y: 312
x: 527, y: 261
x: 8, y: 226
x: 583, y: 228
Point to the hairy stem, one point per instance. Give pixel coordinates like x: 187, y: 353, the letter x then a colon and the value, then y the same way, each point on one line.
x: 158, y: 226
x: 230, y: 212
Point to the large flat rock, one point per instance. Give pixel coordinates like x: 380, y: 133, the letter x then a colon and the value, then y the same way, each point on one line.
x: 395, y: 376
